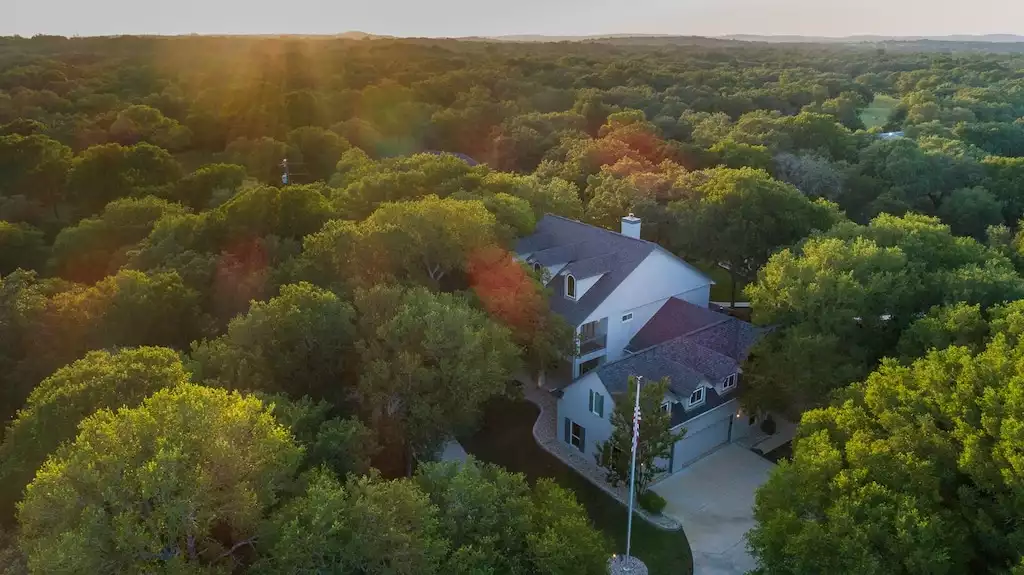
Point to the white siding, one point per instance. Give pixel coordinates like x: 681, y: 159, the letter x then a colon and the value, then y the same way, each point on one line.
x: 575, y: 404
x: 705, y: 432
x: 584, y: 284
x: 659, y: 277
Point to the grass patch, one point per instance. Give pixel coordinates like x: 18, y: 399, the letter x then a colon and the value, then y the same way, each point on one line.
x: 877, y: 113
x: 506, y: 438
x: 722, y: 289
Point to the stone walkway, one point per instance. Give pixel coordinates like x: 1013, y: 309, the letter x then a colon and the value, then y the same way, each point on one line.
x: 546, y: 434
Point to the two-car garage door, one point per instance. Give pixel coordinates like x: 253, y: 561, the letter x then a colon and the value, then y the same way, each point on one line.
x: 697, y: 444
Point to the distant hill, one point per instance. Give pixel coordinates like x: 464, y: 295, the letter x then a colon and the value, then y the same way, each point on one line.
x: 357, y: 35
x: 991, y: 43
x: 991, y: 38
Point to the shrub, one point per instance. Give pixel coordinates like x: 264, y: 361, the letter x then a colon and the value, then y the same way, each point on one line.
x: 652, y: 502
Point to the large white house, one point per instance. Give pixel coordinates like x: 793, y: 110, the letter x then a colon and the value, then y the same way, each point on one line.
x: 639, y: 310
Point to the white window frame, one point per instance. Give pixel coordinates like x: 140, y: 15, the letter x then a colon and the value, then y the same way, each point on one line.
x: 627, y: 317
x: 571, y: 294
x: 576, y: 438
x: 537, y: 267
x: 666, y: 406
x: 700, y: 400
x: 595, y: 399
x: 730, y: 382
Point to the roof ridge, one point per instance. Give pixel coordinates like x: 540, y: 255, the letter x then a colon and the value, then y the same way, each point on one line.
x: 605, y: 230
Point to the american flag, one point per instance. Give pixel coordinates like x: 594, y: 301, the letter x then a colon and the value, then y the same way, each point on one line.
x: 636, y: 425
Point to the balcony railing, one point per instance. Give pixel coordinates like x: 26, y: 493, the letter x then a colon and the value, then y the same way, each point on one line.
x: 593, y: 344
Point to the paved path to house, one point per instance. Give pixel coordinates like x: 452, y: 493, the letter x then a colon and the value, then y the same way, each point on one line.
x: 713, y: 498
x: 545, y: 432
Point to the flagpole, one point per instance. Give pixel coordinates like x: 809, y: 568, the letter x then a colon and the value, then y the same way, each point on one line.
x: 632, y: 466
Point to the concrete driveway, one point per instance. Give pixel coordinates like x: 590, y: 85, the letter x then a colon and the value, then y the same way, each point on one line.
x: 713, y: 499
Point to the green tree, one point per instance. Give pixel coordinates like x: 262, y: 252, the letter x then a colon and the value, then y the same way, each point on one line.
x: 105, y: 173
x: 208, y: 184
x: 298, y: 343
x: 735, y: 155
x: 137, y: 308
x: 740, y: 217
x: 12, y: 560
x: 21, y: 246
x: 956, y: 324
x: 50, y: 417
x: 35, y: 167
x: 908, y: 472
x: 187, y: 493
x: 426, y: 240
x: 813, y: 175
x: 97, y: 246
x: 495, y: 523
x: 140, y: 123
x: 611, y: 198
x: 970, y: 211
x: 261, y: 157
x: 317, y: 149
x: 656, y: 436
x: 429, y: 362
x: 564, y: 540
x: 344, y: 446
x: 1004, y: 177
x: 848, y: 295
x: 366, y: 525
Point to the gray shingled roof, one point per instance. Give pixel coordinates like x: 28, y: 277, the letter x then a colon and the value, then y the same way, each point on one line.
x: 591, y: 267
x: 733, y: 338
x: 576, y: 243
x: 696, y: 345
x: 675, y: 318
x: 653, y: 364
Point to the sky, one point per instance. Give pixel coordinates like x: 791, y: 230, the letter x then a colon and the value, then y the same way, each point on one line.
x: 439, y: 18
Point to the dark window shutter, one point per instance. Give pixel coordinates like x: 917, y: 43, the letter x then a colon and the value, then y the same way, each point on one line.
x: 583, y: 439
x: 567, y: 425
x: 600, y: 405
x: 590, y: 401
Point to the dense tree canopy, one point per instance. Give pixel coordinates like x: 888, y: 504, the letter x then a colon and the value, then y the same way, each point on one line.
x: 189, y: 491
x: 842, y: 299
x: 56, y: 406
x: 372, y: 302
x: 429, y: 362
x: 297, y: 342
x: 916, y: 470
x: 470, y: 518
x: 737, y: 218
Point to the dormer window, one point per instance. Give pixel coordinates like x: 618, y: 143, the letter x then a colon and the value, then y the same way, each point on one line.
x: 570, y: 287
x: 536, y: 267
x: 730, y: 382
x: 697, y: 397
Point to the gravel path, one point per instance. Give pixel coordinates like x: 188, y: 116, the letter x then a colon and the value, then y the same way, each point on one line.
x: 545, y: 432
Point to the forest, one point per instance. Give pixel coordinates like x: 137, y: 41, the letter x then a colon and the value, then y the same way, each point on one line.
x: 212, y: 363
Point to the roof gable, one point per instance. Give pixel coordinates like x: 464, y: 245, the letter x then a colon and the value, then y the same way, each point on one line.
x: 588, y: 251
x: 697, y: 346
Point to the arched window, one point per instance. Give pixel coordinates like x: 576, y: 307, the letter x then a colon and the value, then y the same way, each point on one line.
x: 570, y: 287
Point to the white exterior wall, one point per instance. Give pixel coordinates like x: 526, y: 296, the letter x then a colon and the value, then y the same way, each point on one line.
x: 584, y: 284
x: 657, y: 278
x: 575, y: 404
x: 730, y: 408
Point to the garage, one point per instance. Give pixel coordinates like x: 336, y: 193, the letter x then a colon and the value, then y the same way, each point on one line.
x: 711, y: 435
